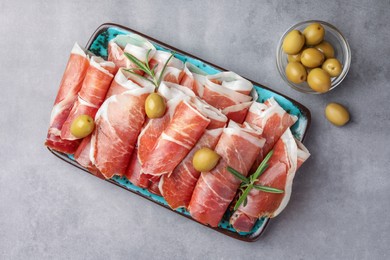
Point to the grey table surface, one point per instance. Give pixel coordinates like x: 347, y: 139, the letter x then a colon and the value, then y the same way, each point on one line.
x: 340, y: 203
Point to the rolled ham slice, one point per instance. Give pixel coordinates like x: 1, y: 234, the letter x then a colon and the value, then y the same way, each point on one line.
x: 152, y: 130
x: 274, y: 121
x: 175, y: 142
x: 174, y: 70
x: 134, y: 174
x: 82, y: 156
x: 134, y: 44
x: 70, y: 85
x: 122, y: 82
x: 118, y: 123
x: 288, y: 156
x: 238, y: 147
x: 188, y: 78
x: 220, y: 93
x: 177, y: 188
x: 92, y: 93
x: 238, y: 112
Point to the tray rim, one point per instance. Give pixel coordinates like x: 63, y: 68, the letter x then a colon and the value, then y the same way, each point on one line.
x: 253, y: 237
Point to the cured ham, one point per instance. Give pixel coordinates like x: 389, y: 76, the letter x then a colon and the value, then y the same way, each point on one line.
x: 238, y: 112
x: 226, y: 91
x: 174, y: 70
x: 123, y: 81
x: 134, y: 174
x: 182, y: 133
x: 82, y: 156
x: 238, y: 147
x: 288, y: 156
x: 70, y: 85
x: 173, y: 94
x: 92, y: 93
x: 223, y: 89
x: 274, y: 121
x: 177, y: 187
x: 118, y: 123
x: 186, y: 127
x: 152, y: 130
x: 134, y: 44
x: 188, y: 78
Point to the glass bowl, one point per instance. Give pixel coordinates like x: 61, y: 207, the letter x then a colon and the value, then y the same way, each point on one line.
x: 334, y: 37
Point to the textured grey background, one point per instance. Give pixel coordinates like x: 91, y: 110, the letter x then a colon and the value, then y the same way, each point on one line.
x: 340, y: 205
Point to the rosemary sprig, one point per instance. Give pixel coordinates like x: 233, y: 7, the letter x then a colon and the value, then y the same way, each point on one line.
x: 144, y: 66
x: 249, y: 183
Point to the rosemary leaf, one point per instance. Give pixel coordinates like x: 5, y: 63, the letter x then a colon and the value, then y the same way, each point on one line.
x: 238, y: 175
x: 267, y: 189
x: 136, y: 74
x: 138, y: 63
x: 243, y: 197
x: 163, y: 70
x: 263, y: 165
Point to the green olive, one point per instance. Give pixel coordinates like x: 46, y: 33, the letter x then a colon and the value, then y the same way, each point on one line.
x: 155, y: 106
x: 319, y: 80
x: 314, y: 34
x: 332, y: 66
x: 294, y: 57
x: 82, y: 126
x: 293, y: 42
x: 326, y: 48
x: 337, y: 114
x: 205, y: 160
x: 295, y: 72
x: 312, y: 58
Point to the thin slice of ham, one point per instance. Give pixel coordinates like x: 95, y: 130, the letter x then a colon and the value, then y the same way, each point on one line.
x: 150, y: 133
x: 134, y: 174
x: 92, y: 93
x: 238, y: 112
x: 70, y: 85
x: 134, y: 44
x: 177, y: 187
x: 124, y: 81
x: 118, y: 123
x: 182, y: 133
x: 213, y: 90
x: 288, y: 156
x: 82, y: 156
x: 274, y: 121
x: 174, y: 70
x: 188, y: 78
x: 238, y: 147
x: 152, y: 130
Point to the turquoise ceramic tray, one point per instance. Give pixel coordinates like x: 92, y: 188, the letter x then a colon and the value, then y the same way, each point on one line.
x: 98, y: 45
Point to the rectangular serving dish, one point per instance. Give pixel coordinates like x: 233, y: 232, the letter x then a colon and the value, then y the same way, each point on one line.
x: 97, y: 44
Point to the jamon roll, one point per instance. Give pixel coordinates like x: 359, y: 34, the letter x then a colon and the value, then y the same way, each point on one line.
x: 274, y: 121
x: 152, y: 130
x: 227, y: 91
x: 182, y: 133
x: 177, y: 188
x: 188, y: 78
x: 288, y: 156
x: 118, y: 123
x: 174, y: 70
x: 238, y: 147
x: 134, y: 44
x: 71, y: 82
x: 92, y: 93
x: 122, y: 82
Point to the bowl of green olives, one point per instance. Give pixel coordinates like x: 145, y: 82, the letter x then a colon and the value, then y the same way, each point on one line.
x: 313, y: 57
